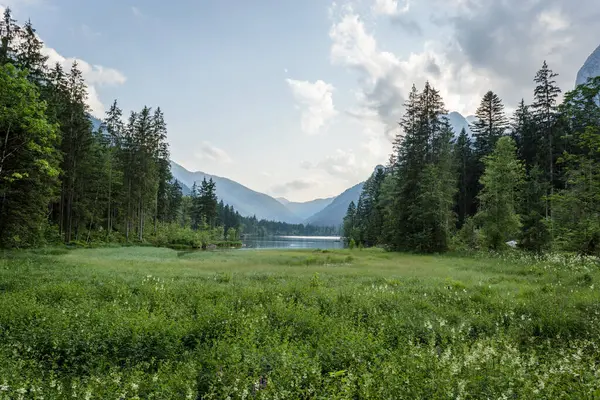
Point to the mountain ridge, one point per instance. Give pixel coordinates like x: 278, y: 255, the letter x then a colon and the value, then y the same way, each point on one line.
x: 246, y: 201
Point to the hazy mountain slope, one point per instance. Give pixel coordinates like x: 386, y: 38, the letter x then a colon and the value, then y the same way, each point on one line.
x: 590, y: 69
x: 306, y: 209
x: 246, y: 201
x: 334, y: 213
x: 458, y: 122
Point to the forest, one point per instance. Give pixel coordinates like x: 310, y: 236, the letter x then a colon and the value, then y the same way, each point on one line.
x: 62, y: 181
x: 531, y: 180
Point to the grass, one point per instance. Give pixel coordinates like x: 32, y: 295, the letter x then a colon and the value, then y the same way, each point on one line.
x: 151, y: 323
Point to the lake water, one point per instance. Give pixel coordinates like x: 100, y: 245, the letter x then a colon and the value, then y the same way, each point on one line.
x: 294, y: 242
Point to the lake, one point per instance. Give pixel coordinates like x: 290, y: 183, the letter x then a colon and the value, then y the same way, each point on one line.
x: 294, y: 242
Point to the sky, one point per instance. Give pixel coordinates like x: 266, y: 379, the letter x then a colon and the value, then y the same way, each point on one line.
x: 300, y: 99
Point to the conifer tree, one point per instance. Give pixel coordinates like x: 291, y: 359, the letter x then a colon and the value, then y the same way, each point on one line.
x: 491, y: 124
x: 28, y: 161
x: 545, y: 114
x: 498, y: 211
x: 424, y: 182
x: 9, y: 32
x: 467, y: 186
x: 29, y: 55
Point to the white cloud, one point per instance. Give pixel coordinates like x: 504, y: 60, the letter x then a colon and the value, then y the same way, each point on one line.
x: 213, y: 153
x: 343, y: 164
x: 316, y: 103
x: 390, y: 7
x: 386, y: 79
x: 486, y: 45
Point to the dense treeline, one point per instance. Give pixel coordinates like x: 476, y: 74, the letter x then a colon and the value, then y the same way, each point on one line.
x: 61, y: 180
x: 533, y: 179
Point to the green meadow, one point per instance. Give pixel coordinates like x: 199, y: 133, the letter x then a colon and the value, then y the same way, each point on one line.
x: 151, y: 323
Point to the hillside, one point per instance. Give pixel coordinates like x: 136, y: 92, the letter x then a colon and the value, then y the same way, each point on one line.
x: 246, y: 201
x: 590, y: 69
x: 333, y: 214
x: 306, y: 209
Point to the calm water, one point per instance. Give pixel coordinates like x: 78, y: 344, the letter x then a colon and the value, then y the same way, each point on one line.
x: 294, y: 242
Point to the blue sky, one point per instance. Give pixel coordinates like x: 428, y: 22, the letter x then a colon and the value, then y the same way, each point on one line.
x: 300, y: 98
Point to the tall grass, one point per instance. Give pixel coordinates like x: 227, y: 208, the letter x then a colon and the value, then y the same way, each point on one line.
x: 154, y: 323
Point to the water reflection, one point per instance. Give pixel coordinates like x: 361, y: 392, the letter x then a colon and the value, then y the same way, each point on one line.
x: 294, y: 242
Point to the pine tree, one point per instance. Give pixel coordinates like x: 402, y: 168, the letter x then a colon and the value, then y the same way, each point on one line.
x: 499, y: 199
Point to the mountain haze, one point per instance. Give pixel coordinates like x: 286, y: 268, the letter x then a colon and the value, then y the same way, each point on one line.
x: 334, y: 213
x: 306, y: 209
x: 246, y: 201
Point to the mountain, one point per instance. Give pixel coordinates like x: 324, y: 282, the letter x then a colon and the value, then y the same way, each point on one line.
x: 246, y: 201
x: 307, y: 209
x: 95, y: 122
x: 334, y: 213
x: 459, y: 122
x: 590, y: 69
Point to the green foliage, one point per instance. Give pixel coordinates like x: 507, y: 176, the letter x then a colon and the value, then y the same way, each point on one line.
x: 577, y: 208
x: 28, y: 161
x: 157, y: 323
x: 498, y: 199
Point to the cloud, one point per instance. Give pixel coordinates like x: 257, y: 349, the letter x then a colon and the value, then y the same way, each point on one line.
x: 293, y: 186
x: 342, y: 164
x: 316, y: 102
x: 390, y: 7
x: 212, y: 153
x: 482, y: 45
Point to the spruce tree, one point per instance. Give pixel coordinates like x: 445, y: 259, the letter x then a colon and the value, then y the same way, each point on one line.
x: 349, y: 221
x: 424, y: 180
x: 545, y: 113
x: 29, y: 55
x: 491, y: 125
x: 498, y: 212
x: 467, y: 185
x: 9, y: 33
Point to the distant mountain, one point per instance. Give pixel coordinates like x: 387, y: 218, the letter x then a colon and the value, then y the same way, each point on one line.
x: 246, y: 201
x: 306, y: 209
x: 95, y: 122
x: 334, y: 213
x: 459, y: 122
x: 590, y: 69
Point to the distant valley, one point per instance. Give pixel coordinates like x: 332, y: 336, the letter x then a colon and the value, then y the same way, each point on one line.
x: 319, y: 212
